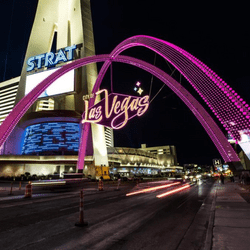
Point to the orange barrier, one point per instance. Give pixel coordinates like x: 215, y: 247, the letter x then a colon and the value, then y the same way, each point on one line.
x: 28, y: 190
x: 100, y: 185
x: 81, y: 209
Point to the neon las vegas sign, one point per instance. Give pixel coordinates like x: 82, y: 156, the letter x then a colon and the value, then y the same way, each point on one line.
x: 114, y: 110
x: 50, y: 58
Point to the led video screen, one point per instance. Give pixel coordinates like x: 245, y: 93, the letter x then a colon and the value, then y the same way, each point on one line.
x: 52, y: 138
x: 62, y: 85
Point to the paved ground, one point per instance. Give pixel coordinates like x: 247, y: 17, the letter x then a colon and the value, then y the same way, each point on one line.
x: 115, y: 220
x: 229, y: 224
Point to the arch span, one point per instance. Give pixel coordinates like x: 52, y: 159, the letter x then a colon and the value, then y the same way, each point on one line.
x: 212, y: 129
x: 229, y: 108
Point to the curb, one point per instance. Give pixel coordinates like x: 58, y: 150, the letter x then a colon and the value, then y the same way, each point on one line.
x: 209, y: 233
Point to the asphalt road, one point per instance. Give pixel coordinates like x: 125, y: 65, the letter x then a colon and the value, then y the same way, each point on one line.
x: 115, y: 221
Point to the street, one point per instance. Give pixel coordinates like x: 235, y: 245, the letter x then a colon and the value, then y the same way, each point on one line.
x: 115, y: 221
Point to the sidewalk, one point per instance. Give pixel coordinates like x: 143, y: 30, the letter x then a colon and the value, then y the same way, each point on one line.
x: 230, y: 217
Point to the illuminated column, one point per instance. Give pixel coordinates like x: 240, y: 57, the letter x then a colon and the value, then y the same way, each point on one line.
x: 70, y: 22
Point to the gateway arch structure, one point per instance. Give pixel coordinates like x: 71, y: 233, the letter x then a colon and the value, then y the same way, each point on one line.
x: 226, y: 104
x: 61, y: 24
x: 213, y: 130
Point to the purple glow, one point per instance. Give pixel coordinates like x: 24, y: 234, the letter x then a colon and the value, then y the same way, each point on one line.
x: 206, y: 120
x: 206, y: 82
x: 197, y: 73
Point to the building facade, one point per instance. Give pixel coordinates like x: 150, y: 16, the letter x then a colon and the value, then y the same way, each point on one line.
x: 129, y: 162
x: 46, y: 140
x: 166, y: 155
x: 62, y: 31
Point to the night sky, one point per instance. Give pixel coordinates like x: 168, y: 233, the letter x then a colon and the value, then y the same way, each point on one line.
x: 216, y: 34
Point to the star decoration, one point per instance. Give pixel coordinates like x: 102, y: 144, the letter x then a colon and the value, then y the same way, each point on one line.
x: 140, y: 91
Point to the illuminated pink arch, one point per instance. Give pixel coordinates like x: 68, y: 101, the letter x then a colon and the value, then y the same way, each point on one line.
x: 212, y: 129
x: 230, y: 109
x: 19, y: 110
x: 194, y: 70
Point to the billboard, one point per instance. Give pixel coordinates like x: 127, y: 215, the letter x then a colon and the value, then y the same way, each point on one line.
x: 62, y: 85
x: 51, y: 138
x: 245, y: 141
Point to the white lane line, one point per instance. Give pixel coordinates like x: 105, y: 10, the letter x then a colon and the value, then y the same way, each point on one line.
x: 89, y: 203
x: 182, y: 204
x: 188, y: 198
x: 43, y: 199
x: 67, y: 208
x: 111, y: 198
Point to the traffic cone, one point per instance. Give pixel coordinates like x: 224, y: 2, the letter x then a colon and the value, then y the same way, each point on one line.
x: 81, y: 223
x: 11, y: 185
x: 28, y: 190
x: 100, y: 185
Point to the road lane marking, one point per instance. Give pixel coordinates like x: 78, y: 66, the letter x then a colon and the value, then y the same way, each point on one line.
x: 188, y: 198
x: 44, y: 199
x: 67, y: 208
x: 111, y: 198
x: 89, y: 203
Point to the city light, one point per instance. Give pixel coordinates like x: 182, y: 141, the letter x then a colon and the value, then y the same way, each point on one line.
x: 48, y: 183
x: 173, y: 191
x: 211, y: 128
x: 152, y: 189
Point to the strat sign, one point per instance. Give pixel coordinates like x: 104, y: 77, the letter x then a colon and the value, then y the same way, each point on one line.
x: 115, y: 109
x: 50, y: 58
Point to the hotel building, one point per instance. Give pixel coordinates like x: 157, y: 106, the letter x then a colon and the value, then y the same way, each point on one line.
x: 46, y: 140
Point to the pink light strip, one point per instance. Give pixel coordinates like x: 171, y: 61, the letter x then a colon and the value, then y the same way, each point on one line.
x: 152, y: 189
x: 18, y: 111
x: 227, y: 105
x: 173, y: 191
x: 238, y: 120
x: 207, y: 122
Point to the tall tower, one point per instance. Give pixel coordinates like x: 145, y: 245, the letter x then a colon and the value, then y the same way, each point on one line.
x: 60, y: 26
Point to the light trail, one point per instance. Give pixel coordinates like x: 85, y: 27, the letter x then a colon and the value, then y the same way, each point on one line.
x: 152, y: 189
x: 173, y: 191
x: 48, y: 183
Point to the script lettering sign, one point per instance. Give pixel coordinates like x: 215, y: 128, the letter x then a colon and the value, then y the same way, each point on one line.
x: 114, y: 110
